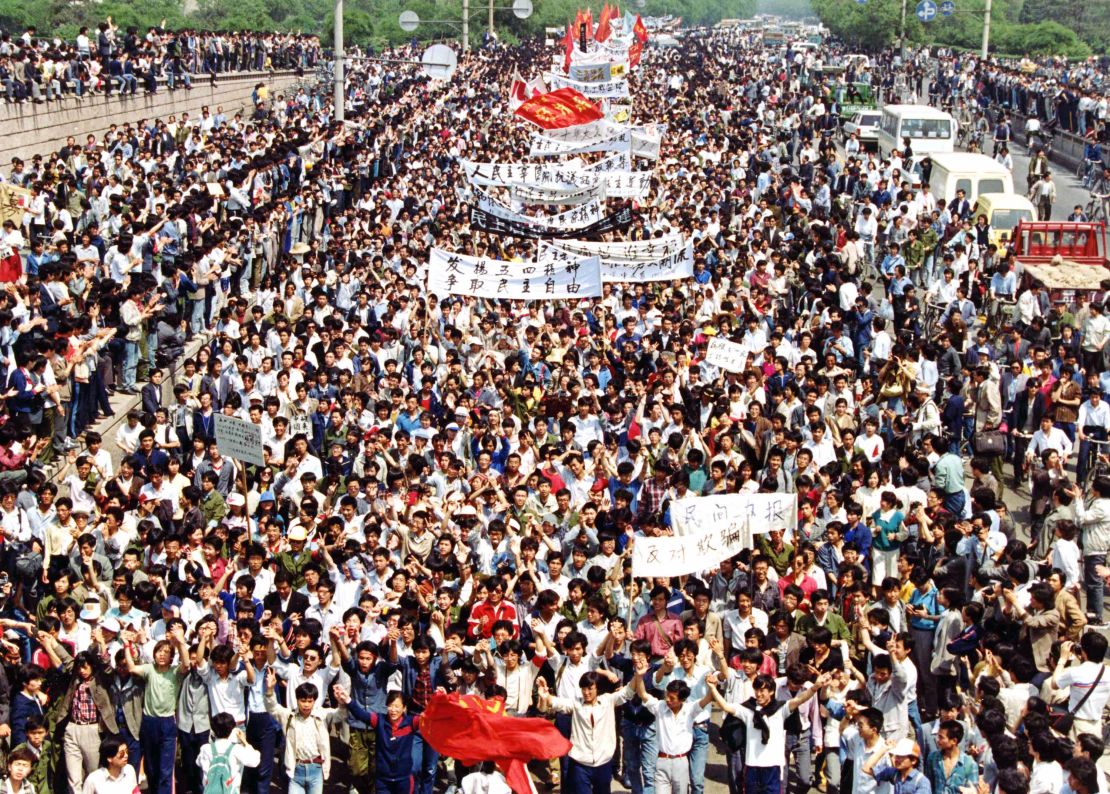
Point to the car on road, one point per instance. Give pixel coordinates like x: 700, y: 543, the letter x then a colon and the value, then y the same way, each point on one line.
x: 866, y: 125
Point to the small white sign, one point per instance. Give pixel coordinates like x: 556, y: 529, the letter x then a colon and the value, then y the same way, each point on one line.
x: 239, y: 439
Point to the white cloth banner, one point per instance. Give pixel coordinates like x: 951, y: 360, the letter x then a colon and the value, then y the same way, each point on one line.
x: 621, y: 161
x: 577, y: 218
x: 600, y: 136
x: 505, y: 174
x: 607, y: 89
x: 456, y: 274
x: 630, y: 184
x: 727, y: 355
x: 568, y: 195
x: 678, y: 265
x: 635, y: 250
x: 545, y: 145
x: 709, y: 529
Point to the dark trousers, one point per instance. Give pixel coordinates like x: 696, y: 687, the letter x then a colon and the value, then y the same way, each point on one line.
x: 262, y: 734
x: 424, y: 762
x: 593, y: 779
x: 402, y: 786
x: 159, y: 743
x: 190, y: 750
x: 762, y: 780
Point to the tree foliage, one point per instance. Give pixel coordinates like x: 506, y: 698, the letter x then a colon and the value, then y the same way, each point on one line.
x: 1018, y: 27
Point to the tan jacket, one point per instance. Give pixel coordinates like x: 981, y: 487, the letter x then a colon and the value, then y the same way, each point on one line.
x: 1072, y: 618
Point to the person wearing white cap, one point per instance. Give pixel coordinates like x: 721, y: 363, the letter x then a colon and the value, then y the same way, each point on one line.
x: 905, y: 776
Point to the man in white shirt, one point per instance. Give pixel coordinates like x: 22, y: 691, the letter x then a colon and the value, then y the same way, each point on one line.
x: 1079, y: 680
x: 1049, y: 437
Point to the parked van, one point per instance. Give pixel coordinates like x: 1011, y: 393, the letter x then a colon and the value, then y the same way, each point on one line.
x: 1004, y: 212
x: 929, y: 129
x: 974, y: 174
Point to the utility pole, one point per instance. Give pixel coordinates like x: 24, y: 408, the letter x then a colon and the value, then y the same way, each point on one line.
x: 339, y: 90
x: 466, y: 25
x: 491, y: 19
x: 986, y: 29
x: 902, y: 29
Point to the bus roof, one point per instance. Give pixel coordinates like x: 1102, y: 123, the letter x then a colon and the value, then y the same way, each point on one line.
x: 919, y: 111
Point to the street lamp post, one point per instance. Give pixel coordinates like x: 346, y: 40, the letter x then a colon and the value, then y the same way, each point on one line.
x: 339, y: 88
x: 986, y: 28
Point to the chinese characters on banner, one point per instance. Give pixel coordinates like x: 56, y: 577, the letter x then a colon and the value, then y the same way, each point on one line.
x: 710, y: 529
x: 566, y: 195
x: 608, y: 89
x: 679, y: 264
x: 578, y: 218
x: 456, y: 274
x: 562, y: 174
x: 487, y: 222
x: 726, y: 355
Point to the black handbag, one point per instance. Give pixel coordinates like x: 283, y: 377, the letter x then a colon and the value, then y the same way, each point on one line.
x: 1063, y: 723
x: 990, y: 442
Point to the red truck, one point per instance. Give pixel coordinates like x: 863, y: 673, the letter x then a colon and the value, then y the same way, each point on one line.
x: 1068, y: 259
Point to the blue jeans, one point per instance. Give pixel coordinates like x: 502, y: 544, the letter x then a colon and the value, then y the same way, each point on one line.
x: 1085, y: 453
x: 159, y: 744
x: 424, y: 760
x: 699, y: 752
x: 307, y: 779
x: 588, y: 779
x: 639, y: 751
x: 1093, y: 583
x: 402, y: 786
x: 1069, y: 430
x: 762, y: 780
x: 130, y: 363
x: 954, y: 503
x: 134, y: 751
x: 191, y: 781
x: 262, y: 734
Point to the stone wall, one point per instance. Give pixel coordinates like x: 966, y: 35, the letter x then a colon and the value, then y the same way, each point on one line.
x: 31, y: 129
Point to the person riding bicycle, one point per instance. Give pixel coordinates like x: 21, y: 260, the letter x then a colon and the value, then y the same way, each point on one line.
x: 1092, y: 162
x: 1093, y: 425
x: 1100, y: 190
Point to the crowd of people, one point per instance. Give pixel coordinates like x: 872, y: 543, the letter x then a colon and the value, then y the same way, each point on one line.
x: 453, y: 487
x: 109, y: 60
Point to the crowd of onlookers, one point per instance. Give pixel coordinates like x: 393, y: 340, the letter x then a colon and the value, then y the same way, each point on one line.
x: 34, y: 67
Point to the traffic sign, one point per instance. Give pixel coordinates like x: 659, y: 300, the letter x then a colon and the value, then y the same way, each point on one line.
x: 947, y: 8
x: 861, y: 2
x: 926, y: 10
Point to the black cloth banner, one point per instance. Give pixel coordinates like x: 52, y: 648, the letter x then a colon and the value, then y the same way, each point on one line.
x: 487, y: 222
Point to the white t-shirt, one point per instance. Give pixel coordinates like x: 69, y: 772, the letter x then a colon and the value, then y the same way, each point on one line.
x: 242, y: 755
x: 773, y: 753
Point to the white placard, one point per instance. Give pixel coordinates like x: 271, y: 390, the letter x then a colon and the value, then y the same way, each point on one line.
x: 239, y: 439
x: 568, y: 195
x: 713, y: 528
x: 577, y: 218
x: 456, y: 274
x: 727, y: 355
x: 504, y: 174
x: 636, y: 250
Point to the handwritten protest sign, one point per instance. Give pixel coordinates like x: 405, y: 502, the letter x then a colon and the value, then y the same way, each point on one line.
x: 709, y: 529
x: 726, y: 355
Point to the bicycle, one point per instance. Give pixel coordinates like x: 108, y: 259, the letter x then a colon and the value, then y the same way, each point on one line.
x: 1096, y: 208
x: 1098, y: 463
x: 999, y: 312
x: 931, y: 316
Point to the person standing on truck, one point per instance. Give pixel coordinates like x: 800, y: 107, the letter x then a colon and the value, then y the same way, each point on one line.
x: 1043, y: 196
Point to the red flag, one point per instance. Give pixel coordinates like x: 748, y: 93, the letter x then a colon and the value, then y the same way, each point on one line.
x: 640, y: 30
x: 588, y: 21
x: 568, y: 48
x: 635, y: 50
x: 473, y: 730
x: 558, y: 109
x: 603, y: 31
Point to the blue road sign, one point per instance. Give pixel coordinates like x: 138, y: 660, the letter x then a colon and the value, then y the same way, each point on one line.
x: 947, y: 8
x: 926, y: 10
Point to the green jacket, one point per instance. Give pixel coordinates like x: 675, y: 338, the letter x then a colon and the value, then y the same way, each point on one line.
x: 833, y: 622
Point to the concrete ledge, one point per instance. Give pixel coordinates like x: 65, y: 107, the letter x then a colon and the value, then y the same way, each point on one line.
x: 31, y: 129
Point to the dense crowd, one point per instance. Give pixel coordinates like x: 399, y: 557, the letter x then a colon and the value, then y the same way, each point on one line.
x: 454, y: 486
x: 39, y: 68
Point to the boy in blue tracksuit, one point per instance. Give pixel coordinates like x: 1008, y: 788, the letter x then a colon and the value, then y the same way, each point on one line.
x: 395, y: 737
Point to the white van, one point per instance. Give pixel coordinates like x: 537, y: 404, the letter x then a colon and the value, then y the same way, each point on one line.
x: 974, y: 174
x: 929, y: 129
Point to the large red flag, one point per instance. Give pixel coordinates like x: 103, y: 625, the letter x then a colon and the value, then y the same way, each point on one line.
x: 555, y: 110
x: 588, y: 21
x: 603, y: 31
x: 635, y: 50
x: 640, y: 29
x: 472, y: 730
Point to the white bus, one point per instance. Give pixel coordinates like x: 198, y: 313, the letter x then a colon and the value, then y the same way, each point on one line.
x: 929, y: 129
